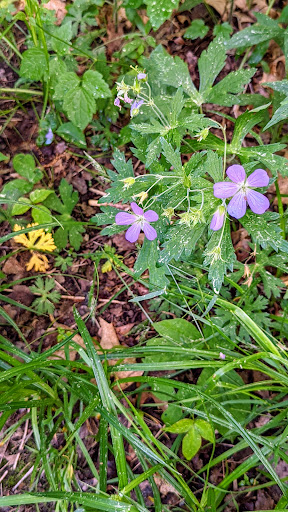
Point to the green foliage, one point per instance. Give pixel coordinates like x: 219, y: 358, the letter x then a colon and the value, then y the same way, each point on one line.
x: 48, y: 296
x: 196, y: 29
x: 70, y: 229
x: 195, y: 430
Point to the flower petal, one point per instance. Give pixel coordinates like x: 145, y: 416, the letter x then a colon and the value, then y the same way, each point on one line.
x: 237, y: 206
x: 151, y: 216
x: 217, y: 221
x: 257, y: 202
x: 236, y: 173
x: 136, y: 209
x: 258, y: 178
x: 149, y: 231
x: 124, y: 218
x: 224, y: 189
x: 133, y: 232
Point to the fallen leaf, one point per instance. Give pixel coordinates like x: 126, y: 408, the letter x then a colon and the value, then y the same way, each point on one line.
x: 12, y: 266
x: 221, y: 6
x: 109, y: 339
x: 59, y: 7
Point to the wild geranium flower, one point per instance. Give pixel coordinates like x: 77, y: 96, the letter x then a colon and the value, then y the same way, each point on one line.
x: 218, y: 218
x: 36, y: 240
x: 139, y: 220
x: 242, y: 191
x: 141, y: 76
x: 117, y: 103
x: 135, y: 107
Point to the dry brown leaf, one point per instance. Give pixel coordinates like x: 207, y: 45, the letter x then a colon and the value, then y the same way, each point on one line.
x: 109, y: 339
x: 59, y: 7
x: 221, y: 6
x: 163, y: 486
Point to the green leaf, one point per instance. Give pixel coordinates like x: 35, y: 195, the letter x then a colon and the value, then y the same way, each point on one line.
x: 66, y: 82
x: 75, y: 236
x: 211, y: 63
x: 253, y: 35
x: 79, y: 106
x: 196, y: 29
x: 219, y: 256
x: 24, y: 165
x: 34, y: 64
x: 264, y: 231
x: 279, y: 115
x: 178, y: 330
x: 20, y: 208
x: 3, y: 157
x: 95, y: 85
x: 191, y: 443
x: 148, y: 260
x: 160, y: 11
x: 243, y: 125
x: 180, y: 427
x: 39, y: 195
x: 181, y: 239
x: 63, y: 35
x: 205, y: 430
x: 72, y: 134
x: 224, y: 92
x: 41, y: 215
x: 223, y: 30
x: 214, y: 166
x: 171, y: 155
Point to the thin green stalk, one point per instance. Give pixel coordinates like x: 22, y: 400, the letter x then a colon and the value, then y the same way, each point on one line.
x: 281, y: 209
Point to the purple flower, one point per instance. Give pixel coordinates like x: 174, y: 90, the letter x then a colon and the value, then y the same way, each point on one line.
x: 127, y: 99
x: 139, y: 221
x: 141, y: 76
x: 135, y: 107
x: 218, y: 219
x: 117, y: 103
x: 242, y: 191
x: 49, y: 137
x: 222, y: 356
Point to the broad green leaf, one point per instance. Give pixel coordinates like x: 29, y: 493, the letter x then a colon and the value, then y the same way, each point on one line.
x: 24, y: 165
x: 3, y: 157
x: 147, y: 260
x: 66, y: 82
x: 178, y: 330
x: 16, y: 188
x: 72, y: 134
x: 159, y: 11
x: 191, y: 443
x: 39, y: 195
x: 264, y: 231
x: 180, y: 427
x: 34, y: 64
x: 224, y: 92
x: 243, y: 125
x: 79, y: 106
x: 181, y: 240
x: 223, y: 30
x: 20, y: 208
x: 41, y: 215
x: 196, y: 29
x: 63, y: 35
x: 214, y: 166
x: 95, y: 85
x: 205, y: 430
x: 281, y: 86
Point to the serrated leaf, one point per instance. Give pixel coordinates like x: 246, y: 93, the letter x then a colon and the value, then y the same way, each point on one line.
x: 148, y: 260
x: 211, y: 63
x: 181, y: 240
x: 214, y: 166
x: 279, y: 115
x: 95, y: 85
x: 191, y: 443
x: 253, y: 35
x: 219, y: 256
x: 196, y: 29
x: 33, y: 64
x: 159, y: 11
x: 79, y: 106
x: 171, y: 155
x: 62, y: 38
x: 205, y: 430
x: 75, y: 234
x: 243, y: 125
x: 264, y: 231
x: 66, y: 83
x: 224, y: 92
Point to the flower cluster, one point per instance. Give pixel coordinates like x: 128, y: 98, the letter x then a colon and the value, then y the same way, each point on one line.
x: 122, y: 94
x: 36, y: 240
x: 241, y: 189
